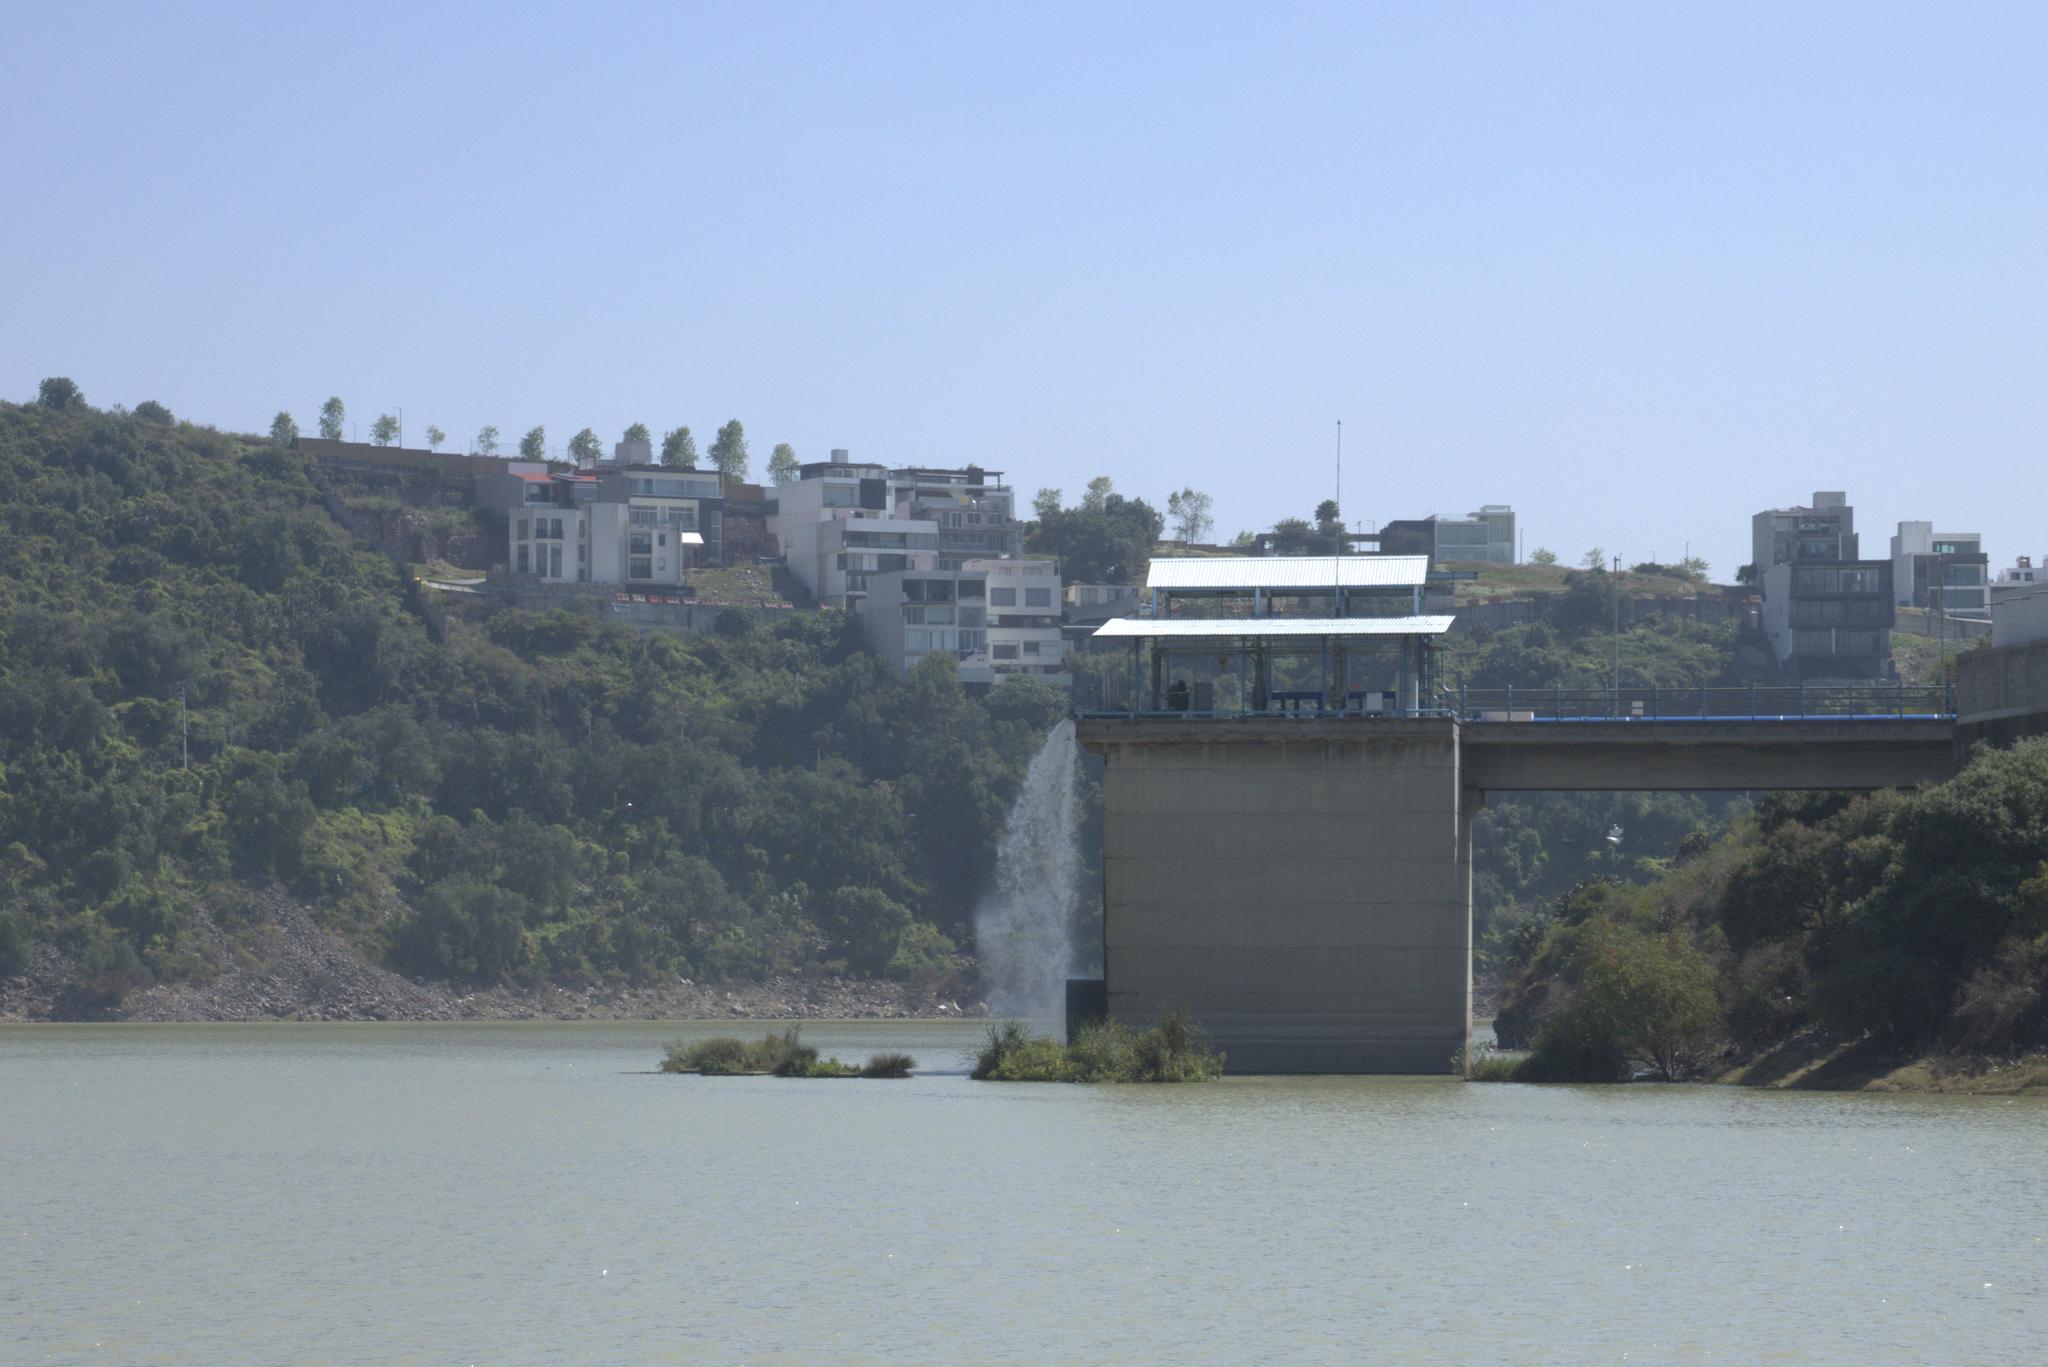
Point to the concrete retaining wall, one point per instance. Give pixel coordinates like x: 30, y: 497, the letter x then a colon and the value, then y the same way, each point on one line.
x: 2002, y: 693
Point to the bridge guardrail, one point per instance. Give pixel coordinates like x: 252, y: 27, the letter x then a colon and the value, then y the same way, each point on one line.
x: 1758, y: 702
x: 1479, y: 706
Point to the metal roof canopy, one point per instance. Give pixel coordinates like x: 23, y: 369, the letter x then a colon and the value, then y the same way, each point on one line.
x: 1211, y: 628
x: 1285, y: 573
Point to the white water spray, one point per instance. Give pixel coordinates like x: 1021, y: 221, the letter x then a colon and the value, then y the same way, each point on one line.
x: 1024, y: 928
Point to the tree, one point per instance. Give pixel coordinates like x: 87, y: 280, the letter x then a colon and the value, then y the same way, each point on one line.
x: 638, y: 432
x: 1107, y: 539
x: 1292, y: 536
x: 679, y: 449
x: 333, y: 417
x: 1748, y: 575
x: 534, y: 445
x: 729, y: 451
x: 384, y: 431
x: 59, y: 393
x: 584, y: 448
x: 1188, y: 511
x: 1329, y: 527
x: 1594, y: 559
x: 283, y: 430
x: 435, y: 436
x: 149, y: 410
x: 487, y: 441
x: 1543, y: 555
x: 782, y: 466
x: 1245, y: 541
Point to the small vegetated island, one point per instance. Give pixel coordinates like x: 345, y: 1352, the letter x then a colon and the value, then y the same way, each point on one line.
x: 1101, y: 1051
x: 776, y: 1055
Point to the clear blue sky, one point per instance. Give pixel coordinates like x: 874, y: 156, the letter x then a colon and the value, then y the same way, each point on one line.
x: 1637, y: 269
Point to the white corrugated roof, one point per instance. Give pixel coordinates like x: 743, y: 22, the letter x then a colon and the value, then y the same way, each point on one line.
x: 1182, y: 574
x: 1218, y: 627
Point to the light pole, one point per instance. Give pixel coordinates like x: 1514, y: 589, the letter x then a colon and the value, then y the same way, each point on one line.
x: 1615, y: 699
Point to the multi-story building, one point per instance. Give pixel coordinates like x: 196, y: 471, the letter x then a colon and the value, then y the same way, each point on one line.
x: 1828, y: 614
x: 1485, y: 536
x: 1824, y: 531
x: 2020, y: 572
x: 841, y: 523
x: 1944, y: 570
x: 996, y: 618
x: 630, y: 524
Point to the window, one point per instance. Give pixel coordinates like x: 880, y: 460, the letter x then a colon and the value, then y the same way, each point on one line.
x: 1038, y: 598
x: 639, y: 567
x: 1006, y: 652
x: 525, y: 528
x: 522, y: 560
x: 554, y: 562
x: 1031, y: 647
x: 1002, y: 598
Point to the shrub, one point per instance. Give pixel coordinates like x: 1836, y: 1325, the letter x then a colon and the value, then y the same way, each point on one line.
x: 1174, y: 1051
x: 889, y: 1065
x: 723, y: 1055
x: 1578, y: 1044
x: 1488, y: 1066
x: 2000, y: 1008
x: 1103, y: 1051
x: 784, y: 1055
x: 14, y: 943
x: 1766, y: 993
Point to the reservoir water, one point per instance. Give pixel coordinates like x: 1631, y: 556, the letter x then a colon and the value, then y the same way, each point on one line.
x: 516, y: 1193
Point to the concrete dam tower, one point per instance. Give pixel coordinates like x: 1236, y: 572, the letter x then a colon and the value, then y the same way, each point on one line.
x: 1288, y: 799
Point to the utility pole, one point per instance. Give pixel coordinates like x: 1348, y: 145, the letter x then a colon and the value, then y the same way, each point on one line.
x: 1941, y: 610
x: 1616, y: 699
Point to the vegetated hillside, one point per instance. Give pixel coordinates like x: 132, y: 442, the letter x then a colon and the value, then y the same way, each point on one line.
x: 1530, y: 848
x: 1902, y: 923
x: 543, y: 796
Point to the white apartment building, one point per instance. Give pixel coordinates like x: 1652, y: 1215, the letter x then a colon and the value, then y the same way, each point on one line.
x: 841, y: 523
x: 1945, y: 570
x: 628, y: 525
x: 996, y: 618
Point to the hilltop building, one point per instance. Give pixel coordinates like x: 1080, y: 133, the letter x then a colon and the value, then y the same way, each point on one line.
x: 1828, y: 613
x: 996, y: 618
x: 616, y: 524
x: 840, y: 523
x: 1948, y: 571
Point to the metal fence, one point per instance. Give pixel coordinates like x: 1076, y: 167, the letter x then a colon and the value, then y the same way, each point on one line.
x: 1774, y: 702
x: 1786, y: 702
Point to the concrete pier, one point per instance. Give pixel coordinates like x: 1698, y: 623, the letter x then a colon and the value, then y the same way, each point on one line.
x: 1304, y: 887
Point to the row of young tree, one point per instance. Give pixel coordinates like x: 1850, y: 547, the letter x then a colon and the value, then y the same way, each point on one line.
x: 729, y: 453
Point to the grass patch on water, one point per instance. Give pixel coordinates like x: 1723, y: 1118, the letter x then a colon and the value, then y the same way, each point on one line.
x: 1104, y: 1051
x: 777, y: 1055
